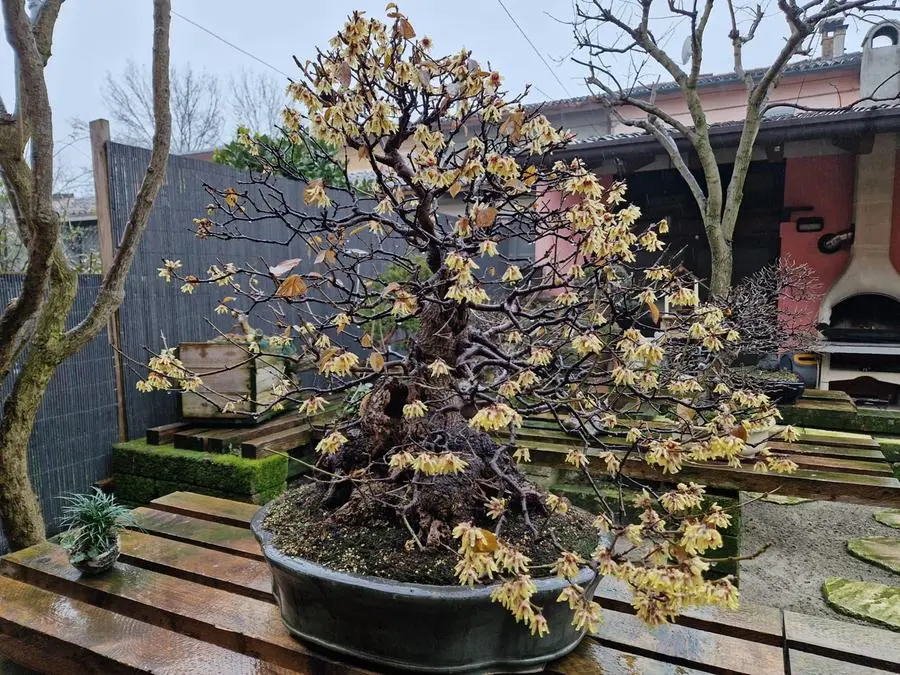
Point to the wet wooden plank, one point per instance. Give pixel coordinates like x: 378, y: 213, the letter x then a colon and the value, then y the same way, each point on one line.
x: 810, y: 483
x: 234, y: 622
x: 837, y: 438
x: 216, y: 536
x: 803, y: 663
x: 850, y: 642
x: 841, y: 464
x: 191, y: 439
x: 870, y: 454
x: 56, y: 634
x: 688, y: 647
x: 218, y: 510
x: 222, y: 439
x: 279, y: 441
x: 164, y: 434
x: 592, y: 658
x: 200, y: 565
x: 755, y: 623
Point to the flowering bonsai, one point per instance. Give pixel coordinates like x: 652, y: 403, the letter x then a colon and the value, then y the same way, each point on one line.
x: 464, y: 176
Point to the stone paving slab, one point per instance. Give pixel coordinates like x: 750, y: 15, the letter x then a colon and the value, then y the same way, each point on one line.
x: 881, y: 551
x: 865, y: 600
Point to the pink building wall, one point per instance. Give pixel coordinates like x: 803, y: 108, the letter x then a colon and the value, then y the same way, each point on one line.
x: 727, y: 103
x: 826, y: 184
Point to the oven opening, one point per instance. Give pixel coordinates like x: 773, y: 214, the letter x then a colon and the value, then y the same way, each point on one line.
x: 868, y: 317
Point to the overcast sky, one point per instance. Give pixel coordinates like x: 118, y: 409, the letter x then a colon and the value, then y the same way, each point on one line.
x: 96, y: 36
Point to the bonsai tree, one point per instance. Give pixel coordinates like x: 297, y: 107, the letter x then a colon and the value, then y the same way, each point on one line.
x: 93, y: 521
x: 431, y: 457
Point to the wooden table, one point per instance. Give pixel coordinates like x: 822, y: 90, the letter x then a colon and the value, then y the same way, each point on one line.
x: 191, y: 594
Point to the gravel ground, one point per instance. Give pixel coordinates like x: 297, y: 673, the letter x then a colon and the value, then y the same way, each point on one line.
x: 808, y: 546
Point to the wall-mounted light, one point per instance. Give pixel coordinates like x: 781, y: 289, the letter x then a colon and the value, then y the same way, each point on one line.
x: 810, y: 224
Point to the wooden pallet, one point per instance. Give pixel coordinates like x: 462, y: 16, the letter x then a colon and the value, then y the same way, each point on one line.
x: 191, y: 593
x: 833, y: 466
x: 281, y: 434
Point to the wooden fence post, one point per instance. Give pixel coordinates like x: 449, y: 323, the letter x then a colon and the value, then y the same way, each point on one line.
x: 99, y: 145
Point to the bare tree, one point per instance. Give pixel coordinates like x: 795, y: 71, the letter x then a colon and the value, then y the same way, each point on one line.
x: 608, y: 31
x: 257, y: 101
x: 196, y: 116
x: 33, y: 325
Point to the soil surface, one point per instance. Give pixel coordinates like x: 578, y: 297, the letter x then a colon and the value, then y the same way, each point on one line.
x: 809, y: 544
x: 301, y: 528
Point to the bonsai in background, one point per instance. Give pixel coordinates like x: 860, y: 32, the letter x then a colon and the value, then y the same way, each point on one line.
x: 93, y: 521
x: 423, y: 482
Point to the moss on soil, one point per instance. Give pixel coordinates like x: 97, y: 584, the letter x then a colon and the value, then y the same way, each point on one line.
x: 300, y: 528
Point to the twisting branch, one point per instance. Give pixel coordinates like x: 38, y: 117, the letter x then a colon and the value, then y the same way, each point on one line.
x: 112, y: 288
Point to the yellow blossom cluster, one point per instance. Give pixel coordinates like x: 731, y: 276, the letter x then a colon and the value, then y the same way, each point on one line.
x: 428, y: 463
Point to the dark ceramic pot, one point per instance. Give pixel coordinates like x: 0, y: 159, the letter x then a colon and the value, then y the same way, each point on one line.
x: 784, y: 392
x: 100, y: 564
x: 416, y: 627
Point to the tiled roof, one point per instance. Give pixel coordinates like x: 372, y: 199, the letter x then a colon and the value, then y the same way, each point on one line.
x: 803, y: 66
x: 797, y: 116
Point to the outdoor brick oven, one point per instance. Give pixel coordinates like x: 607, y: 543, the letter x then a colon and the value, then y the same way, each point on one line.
x: 859, y: 315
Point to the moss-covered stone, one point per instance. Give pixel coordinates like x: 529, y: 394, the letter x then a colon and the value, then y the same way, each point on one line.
x: 890, y: 446
x: 227, y: 474
x: 889, y: 517
x: 864, y: 600
x: 881, y: 551
x: 782, y: 500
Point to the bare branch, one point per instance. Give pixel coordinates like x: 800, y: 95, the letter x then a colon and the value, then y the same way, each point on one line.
x: 112, y: 288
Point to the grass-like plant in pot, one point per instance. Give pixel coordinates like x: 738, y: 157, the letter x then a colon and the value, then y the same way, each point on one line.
x: 419, y: 542
x: 92, y: 538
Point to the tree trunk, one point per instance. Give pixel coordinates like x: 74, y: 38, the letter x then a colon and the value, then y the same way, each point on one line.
x: 721, y: 255
x: 20, y: 509
x: 23, y: 522
x: 720, y: 276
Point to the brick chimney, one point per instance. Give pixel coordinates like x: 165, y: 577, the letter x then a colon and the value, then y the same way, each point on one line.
x: 833, y: 33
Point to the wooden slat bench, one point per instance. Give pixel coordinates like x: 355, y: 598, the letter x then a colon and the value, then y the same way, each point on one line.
x: 191, y: 594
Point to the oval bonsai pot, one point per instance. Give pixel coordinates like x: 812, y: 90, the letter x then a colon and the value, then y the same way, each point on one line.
x: 417, y: 627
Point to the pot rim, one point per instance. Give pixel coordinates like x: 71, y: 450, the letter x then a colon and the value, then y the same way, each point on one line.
x: 384, y: 584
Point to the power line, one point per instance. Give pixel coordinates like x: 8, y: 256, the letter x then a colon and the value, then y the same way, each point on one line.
x: 230, y: 44
x: 534, y: 47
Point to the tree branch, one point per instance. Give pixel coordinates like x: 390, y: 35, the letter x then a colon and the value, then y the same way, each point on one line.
x: 112, y: 289
x: 31, y: 186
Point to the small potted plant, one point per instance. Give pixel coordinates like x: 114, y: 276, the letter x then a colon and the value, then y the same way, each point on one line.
x: 92, y: 539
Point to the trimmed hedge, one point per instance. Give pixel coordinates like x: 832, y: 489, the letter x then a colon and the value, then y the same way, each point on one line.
x: 143, y: 472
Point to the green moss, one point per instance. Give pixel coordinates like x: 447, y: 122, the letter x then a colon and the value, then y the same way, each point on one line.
x: 864, y: 420
x: 890, y: 447
x: 219, y: 473
x: 134, y: 489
